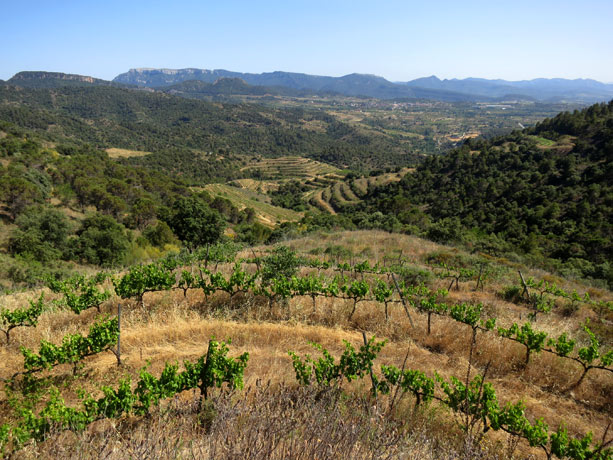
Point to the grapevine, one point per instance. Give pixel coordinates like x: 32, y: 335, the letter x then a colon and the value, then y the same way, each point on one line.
x: 21, y: 317
x: 534, y: 341
x: 212, y: 370
x: 142, y: 279
x: 75, y: 347
x: 475, y: 401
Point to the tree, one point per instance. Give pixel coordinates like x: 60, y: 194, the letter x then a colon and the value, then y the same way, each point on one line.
x: 195, y: 223
x: 18, y: 193
x: 42, y: 234
x: 143, y: 213
x: 101, y: 241
x: 282, y: 262
x: 159, y: 234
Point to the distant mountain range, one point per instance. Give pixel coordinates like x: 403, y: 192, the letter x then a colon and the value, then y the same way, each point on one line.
x: 202, y: 83
x: 541, y: 89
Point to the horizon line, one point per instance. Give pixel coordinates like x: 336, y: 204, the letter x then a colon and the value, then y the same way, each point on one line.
x: 319, y: 75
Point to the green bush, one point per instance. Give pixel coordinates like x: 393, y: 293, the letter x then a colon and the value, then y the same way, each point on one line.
x: 101, y: 241
x: 413, y: 276
x: 282, y: 262
x: 159, y: 234
x: 41, y: 234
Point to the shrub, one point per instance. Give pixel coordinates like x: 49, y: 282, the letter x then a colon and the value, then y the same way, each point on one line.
x: 414, y: 276
x: 511, y: 294
x: 101, y: 241
x: 282, y: 262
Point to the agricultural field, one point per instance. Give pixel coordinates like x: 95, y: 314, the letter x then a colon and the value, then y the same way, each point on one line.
x: 534, y: 346
x: 426, y: 127
x: 125, y: 153
x: 289, y: 167
x: 243, y: 198
x: 332, y: 197
x: 327, y: 188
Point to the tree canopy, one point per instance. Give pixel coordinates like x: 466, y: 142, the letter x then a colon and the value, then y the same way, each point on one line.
x: 195, y: 223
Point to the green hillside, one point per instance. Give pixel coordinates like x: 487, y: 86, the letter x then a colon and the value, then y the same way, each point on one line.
x: 109, y: 117
x: 65, y: 206
x: 546, y: 192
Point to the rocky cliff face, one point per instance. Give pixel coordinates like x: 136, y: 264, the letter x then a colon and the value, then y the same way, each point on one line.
x: 52, y: 79
x: 166, y: 77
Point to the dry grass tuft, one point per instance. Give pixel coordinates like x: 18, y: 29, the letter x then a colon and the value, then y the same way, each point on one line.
x: 269, y: 422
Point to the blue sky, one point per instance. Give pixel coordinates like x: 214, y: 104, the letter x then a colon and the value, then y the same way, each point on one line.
x: 399, y: 40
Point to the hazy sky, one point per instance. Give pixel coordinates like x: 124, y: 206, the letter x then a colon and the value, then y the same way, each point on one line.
x: 399, y: 40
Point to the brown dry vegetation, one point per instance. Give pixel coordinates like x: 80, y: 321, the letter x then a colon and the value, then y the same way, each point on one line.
x: 172, y: 327
x: 125, y: 153
x: 265, y: 422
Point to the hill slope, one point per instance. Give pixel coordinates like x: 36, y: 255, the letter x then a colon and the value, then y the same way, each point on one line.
x: 280, y: 419
x: 110, y: 117
x: 547, y: 191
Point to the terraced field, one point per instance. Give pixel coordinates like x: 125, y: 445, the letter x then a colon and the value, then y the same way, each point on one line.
x: 331, y: 197
x: 316, y: 199
x: 259, y: 186
x: 290, y: 167
x: 329, y: 191
x: 243, y: 198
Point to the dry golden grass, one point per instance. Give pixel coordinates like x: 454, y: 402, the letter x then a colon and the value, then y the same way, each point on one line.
x: 173, y: 328
x: 125, y: 153
x: 271, y: 422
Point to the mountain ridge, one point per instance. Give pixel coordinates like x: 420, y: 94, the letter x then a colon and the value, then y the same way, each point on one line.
x: 44, y: 79
x: 355, y: 84
x: 538, y: 88
x: 470, y: 89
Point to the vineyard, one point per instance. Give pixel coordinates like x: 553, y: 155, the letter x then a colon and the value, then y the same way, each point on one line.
x: 324, y: 188
x: 512, y: 363
x: 244, y: 198
x: 291, y: 167
x: 332, y: 196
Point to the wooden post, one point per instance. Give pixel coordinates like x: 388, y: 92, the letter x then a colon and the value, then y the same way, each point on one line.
x: 204, y: 378
x: 479, y: 279
x: 119, y: 335
x: 206, y: 260
x: 256, y: 260
x: 117, y: 352
x: 406, y: 309
x: 523, y: 282
x: 372, y: 376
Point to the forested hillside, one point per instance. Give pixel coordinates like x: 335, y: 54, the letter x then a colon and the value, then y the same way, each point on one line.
x: 546, y: 192
x: 227, y: 86
x: 66, y: 205
x: 143, y: 120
